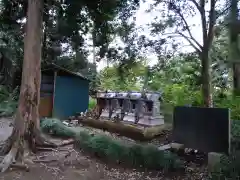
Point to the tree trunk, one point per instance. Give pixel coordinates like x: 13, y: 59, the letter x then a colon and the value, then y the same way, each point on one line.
x: 234, y: 50
x: 206, y: 80
x: 236, y: 79
x: 26, y: 133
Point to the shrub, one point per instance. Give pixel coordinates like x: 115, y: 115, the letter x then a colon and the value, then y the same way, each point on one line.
x: 56, y: 127
x: 233, y: 103
x: 8, y: 101
x: 92, y: 103
x: 229, y: 167
x: 135, y: 155
x: 179, y: 95
x: 146, y: 156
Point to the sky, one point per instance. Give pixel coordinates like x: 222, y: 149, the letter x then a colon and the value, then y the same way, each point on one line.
x: 143, y: 19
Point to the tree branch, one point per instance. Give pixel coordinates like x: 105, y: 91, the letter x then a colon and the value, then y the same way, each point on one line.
x: 204, y: 21
x: 197, y: 5
x: 212, y: 21
x: 227, y: 9
x: 178, y: 11
x: 190, y: 42
x: 189, y: 39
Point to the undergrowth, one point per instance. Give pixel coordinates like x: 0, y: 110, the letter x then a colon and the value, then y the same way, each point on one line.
x: 146, y: 156
x: 229, y: 166
x: 136, y: 155
x: 92, y: 103
x: 56, y: 128
x: 8, y: 101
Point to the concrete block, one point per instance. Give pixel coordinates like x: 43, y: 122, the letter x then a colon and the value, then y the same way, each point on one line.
x: 213, y: 159
x: 164, y: 147
x: 174, y: 146
x: 177, y: 146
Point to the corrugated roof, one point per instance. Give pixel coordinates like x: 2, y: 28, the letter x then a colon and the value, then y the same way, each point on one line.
x: 55, y: 66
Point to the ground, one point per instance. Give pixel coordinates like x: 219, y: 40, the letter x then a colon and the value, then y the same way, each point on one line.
x: 67, y: 163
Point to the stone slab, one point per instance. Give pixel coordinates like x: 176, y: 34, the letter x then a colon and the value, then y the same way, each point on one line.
x: 213, y: 159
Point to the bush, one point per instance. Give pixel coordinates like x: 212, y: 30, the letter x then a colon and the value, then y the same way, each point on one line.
x: 92, y: 103
x: 8, y: 101
x: 180, y: 95
x: 56, y: 127
x: 229, y: 167
x: 135, y: 155
x: 233, y: 103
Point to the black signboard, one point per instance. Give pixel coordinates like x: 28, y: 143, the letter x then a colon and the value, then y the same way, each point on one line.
x: 204, y: 129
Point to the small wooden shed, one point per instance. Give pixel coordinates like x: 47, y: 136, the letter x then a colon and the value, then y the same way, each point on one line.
x: 63, y: 93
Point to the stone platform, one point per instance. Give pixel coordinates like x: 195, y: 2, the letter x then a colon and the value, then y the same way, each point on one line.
x: 128, y: 129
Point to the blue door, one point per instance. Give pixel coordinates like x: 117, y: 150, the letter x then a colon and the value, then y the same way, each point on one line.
x: 71, y: 96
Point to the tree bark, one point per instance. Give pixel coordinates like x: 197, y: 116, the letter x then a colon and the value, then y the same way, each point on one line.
x: 206, y: 80
x: 234, y: 49
x: 26, y: 134
x: 236, y: 79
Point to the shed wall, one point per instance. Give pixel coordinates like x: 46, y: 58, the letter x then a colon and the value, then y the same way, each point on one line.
x: 71, y: 96
x: 46, y: 94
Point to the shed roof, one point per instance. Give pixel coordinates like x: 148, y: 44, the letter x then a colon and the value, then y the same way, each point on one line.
x: 54, y: 66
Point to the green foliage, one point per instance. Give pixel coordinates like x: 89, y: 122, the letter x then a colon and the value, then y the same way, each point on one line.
x: 8, y: 108
x: 146, y: 156
x: 228, y: 169
x: 132, y: 80
x: 56, y: 127
x: 179, y: 95
x: 229, y: 166
x: 235, y: 132
x: 8, y: 101
x: 233, y: 103
x: 69, y: 24
x: 92, y: 103
x: 136, y: 155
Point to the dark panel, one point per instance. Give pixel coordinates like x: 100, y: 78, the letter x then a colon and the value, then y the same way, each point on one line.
x: 205, y: 129
x: 47, y: 79
x: 45, y: 94
x: 47, y: 87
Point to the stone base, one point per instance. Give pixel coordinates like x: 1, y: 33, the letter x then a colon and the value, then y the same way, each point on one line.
x: 213, y: 159
x: 175, y: 146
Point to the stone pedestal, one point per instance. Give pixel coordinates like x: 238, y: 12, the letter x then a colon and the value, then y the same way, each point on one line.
x: 213, y: 159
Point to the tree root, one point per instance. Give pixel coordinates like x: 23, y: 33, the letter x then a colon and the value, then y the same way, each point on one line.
x: 45, y: 149
x: 17, y: 148
x: 67, y: 142
x: 20, y: 166
x: 9, y: 159
x: 42, y: 141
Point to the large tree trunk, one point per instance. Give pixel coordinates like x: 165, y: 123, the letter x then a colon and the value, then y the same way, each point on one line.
x: 206, y: 80
x: 234, y: 49
x: 236, y: 79
x: 26, y: 134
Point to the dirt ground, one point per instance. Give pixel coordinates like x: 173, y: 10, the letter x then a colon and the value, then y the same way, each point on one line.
x: 67, y: 163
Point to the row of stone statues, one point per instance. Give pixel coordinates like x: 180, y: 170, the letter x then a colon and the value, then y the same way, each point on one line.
x: 129, y: 106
